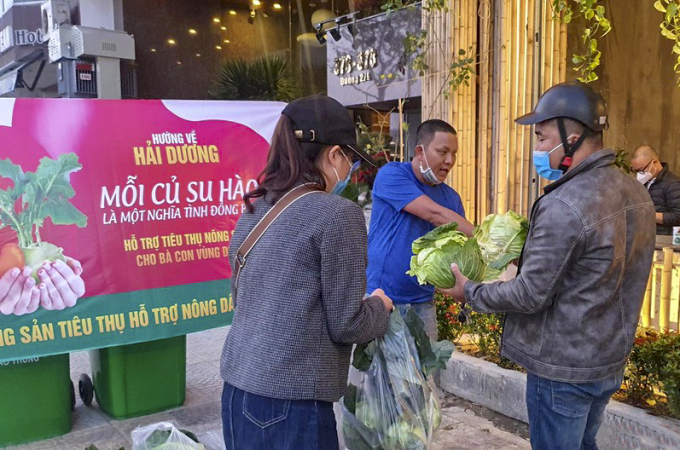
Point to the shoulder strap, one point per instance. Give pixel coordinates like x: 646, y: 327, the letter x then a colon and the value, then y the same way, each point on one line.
x: 264, y: 223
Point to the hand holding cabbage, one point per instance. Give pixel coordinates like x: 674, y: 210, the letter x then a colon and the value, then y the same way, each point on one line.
x: 483, y: 257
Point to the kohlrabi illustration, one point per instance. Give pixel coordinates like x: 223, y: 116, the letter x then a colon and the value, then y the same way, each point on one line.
x: 34, y: 197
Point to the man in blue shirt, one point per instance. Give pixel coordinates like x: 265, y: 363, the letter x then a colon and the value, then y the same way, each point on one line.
x: 409, y: 200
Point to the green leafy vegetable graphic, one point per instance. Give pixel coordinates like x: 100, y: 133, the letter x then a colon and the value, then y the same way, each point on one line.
x: 36, y: 196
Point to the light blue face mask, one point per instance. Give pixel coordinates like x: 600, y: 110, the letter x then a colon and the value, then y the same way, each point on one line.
x: 340, y: 185
x: 542, y: 165
x: 428, y: 174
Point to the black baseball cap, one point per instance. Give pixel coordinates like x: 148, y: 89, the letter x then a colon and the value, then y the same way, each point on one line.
x: 323, y: 120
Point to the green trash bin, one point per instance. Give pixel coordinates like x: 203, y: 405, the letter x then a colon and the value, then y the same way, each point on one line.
x: 35, y: 399
x: 139, y: 379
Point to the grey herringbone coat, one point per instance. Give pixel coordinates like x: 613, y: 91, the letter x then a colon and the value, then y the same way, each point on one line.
x: 299, y: 307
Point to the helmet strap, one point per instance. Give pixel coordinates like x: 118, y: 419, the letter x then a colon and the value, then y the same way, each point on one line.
x: 569, y: 149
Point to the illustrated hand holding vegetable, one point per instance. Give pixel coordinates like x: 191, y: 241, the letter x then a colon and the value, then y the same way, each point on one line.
x: 34, y: 197
x: 18, y: 292
x: 61, y: 287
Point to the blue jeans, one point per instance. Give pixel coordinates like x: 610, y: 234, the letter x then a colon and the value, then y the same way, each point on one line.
x: 427, y: 312
x: 253, y: 422
x: 567, y: 416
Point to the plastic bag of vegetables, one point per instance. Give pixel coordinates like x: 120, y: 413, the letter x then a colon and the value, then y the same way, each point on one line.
x: 394, y: 405
x: 164, y: 436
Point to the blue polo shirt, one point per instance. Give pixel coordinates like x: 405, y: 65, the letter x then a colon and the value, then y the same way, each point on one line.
x: 392, y: 231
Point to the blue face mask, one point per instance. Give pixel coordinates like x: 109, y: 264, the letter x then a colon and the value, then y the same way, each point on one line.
x: 542, y: 165
x: 340, y: 185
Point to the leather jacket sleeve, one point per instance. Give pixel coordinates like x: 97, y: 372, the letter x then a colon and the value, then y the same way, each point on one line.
x: 555, y: 240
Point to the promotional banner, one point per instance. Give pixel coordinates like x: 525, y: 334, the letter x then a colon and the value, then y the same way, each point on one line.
x: 123, y: 212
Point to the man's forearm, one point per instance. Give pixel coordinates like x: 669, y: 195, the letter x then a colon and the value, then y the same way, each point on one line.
x: 425, y: 208
x: 659, y: 218
x: 444, y: 216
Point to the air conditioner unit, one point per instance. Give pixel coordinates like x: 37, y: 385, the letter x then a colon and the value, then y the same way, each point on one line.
x: 61, y: 43
x: 101, y: 42
x: 77, y: 41
x: 54, y: 13
x: 77, y: 78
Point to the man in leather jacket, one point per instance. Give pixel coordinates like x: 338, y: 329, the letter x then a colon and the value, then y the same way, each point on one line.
x: 573, y: 309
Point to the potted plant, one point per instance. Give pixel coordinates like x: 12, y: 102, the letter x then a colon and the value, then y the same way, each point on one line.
x: 265, y: 78
x: 375, y: 144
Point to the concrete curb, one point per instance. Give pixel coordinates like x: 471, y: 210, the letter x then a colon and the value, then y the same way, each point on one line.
x: 624, y: 428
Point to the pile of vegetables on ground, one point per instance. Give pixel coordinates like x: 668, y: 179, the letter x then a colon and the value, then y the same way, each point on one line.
x: 32, y: 198
x: 163, y: 436
x: 483, y: 257
x: 394, y: 406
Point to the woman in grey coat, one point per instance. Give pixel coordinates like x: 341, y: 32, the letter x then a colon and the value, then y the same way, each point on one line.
x: 300, y: 303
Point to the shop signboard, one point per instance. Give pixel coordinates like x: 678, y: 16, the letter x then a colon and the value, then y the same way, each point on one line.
x: 367, y: 64
x: 21, y: 37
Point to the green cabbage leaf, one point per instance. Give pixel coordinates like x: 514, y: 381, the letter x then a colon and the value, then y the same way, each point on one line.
x: 501, y: 239
x: 437, y: 250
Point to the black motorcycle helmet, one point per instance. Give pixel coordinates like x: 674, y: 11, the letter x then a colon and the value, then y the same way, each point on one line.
x: 571, y: 100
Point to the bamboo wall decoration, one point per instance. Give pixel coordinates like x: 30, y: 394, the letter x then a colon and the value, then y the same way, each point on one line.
x: 661, y: 305
x: 462, y: 107
x: 500, y: 86
x: 456, y: 174
x: 464, y: 115
x: 646, y: 313
x: 666, y: 285
x: 527, y: 104
x: 536, y: 56
x: 520, y: 51
x: 438, y: 26
x: 484, y: 110
x: 401, y: 129
x: 513, y: 69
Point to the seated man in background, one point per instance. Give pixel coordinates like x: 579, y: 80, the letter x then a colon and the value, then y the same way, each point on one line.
x: 663, y: 187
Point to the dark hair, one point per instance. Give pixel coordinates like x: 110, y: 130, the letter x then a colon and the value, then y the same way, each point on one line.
x: 427, y: 130
x: 289, y: 163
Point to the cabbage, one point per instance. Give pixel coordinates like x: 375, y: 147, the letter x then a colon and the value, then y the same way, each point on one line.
x: 437, y: 250
x: 367, y: 415
x: 501, y: 238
